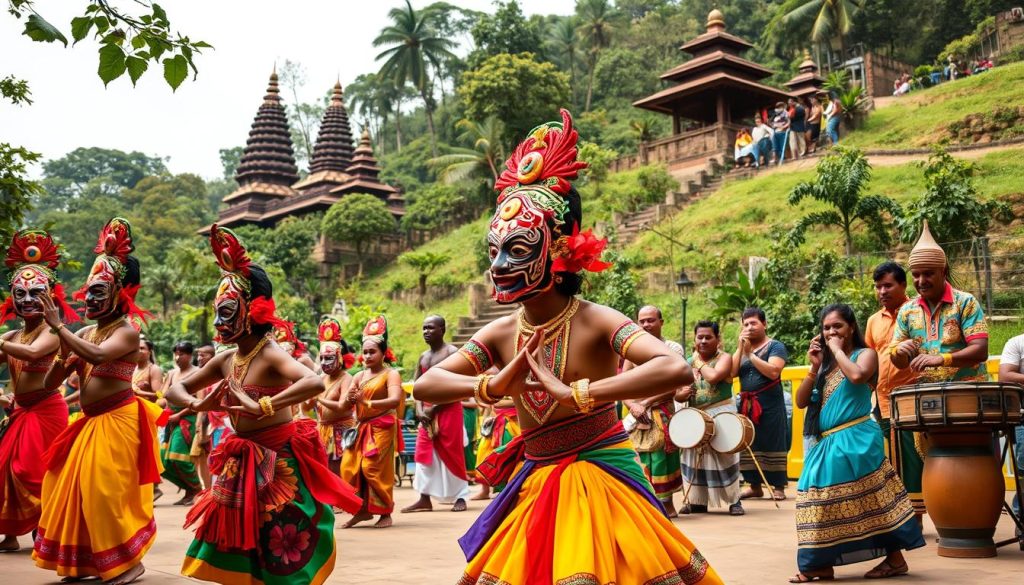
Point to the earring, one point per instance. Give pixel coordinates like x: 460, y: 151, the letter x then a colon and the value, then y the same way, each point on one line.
x: 558, y: 279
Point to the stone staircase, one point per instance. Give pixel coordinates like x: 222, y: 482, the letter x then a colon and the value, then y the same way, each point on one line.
x: 698, y: 185
x: 483, y: 309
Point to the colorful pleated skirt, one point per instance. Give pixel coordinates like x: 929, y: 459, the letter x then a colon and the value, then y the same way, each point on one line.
x: 579, y: 510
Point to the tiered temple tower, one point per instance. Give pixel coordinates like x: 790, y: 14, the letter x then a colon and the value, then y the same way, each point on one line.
x: 807, y: 82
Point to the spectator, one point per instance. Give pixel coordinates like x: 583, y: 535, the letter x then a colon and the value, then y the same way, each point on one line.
x: 798, y: 127
x: 833, y: 114
x: 743, y: 147
x: 813, y: 125
x: 902, y: 85
x: 780, y: 124
x: 762, y: 141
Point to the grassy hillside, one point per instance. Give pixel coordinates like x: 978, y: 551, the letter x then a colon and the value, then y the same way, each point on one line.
x: 921, y: 117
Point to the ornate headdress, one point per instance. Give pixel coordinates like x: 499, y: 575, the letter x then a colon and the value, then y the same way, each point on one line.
x: 284, y: 335
x: 329, y: 336
x: 376, y: 330
x: 244, y: 282
x: 535, y: 205
x: 115, y: 265
x: 927, y: 253
x: 32, y: 258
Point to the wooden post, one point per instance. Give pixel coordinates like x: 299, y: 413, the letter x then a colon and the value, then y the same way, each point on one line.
x: 720, y: 110
x: 988, y: 275
x: 976, y: 258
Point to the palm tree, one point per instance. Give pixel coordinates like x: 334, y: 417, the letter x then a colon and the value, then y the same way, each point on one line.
x: 596, y: 29
x: 643, y: 129
x: 161, y: 280
x: 412, y: 47
x: 832, y: 18
x: 481, y: 160
x: 564, y: 45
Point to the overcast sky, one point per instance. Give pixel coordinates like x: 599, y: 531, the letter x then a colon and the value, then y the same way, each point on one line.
x: 73, y: 109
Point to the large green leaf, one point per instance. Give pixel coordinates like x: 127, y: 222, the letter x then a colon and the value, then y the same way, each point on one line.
x: 112, y: 63
x: 37, y: 29
x: 80, y: 27
x: 136, y: 67
x: 175, y: 70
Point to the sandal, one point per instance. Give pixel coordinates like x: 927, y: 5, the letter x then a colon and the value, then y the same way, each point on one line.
x: 884, y: 571
x: 801, y: 578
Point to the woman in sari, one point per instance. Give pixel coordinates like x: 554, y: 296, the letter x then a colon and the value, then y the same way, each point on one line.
x: 577, y: 507
x: 104, y: 465
x: 850, y: 503
x: 267, y: 519
x: 376, y: 394
x: 36, y: 415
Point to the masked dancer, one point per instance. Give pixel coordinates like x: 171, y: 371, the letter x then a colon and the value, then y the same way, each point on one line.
x: 376, y: 395
x: 578, y: 507
x: 334, y: 415
x: 36, y: 415
x: 268, y: 517
x: 714, y: 478
x: 102, y: 467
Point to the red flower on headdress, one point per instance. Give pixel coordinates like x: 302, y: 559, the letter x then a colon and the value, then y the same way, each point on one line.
x: 228, y: 251
x: 582, y: 251
x: 115, y: 240
x: 348, y: 360
x: 283, y: 335
x: 548, y: 155
x: 329, y: 330
x: 32, y: 247
x: 263, y: 310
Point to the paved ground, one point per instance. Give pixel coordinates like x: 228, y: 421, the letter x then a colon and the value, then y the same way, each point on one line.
x: 421, y: 549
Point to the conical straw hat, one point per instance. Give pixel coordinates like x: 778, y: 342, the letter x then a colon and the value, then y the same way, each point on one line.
x: 927, y: 253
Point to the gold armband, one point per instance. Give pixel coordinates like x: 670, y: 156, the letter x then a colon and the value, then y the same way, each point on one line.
x: 266, y: 406
x: 581, y: 395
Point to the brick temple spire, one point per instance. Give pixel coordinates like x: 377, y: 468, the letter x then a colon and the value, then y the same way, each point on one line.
x: 268, y: 157
x: 363, y: 162
x: 333, y: 150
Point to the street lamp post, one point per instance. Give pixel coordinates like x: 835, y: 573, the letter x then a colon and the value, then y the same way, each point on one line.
x: 683, y: 285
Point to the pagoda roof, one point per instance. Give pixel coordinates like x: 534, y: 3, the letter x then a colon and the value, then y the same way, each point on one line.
x: 268, y: 157
x: 684, y: 97
x: 807, y: 81
x: 259, y: 188
x: 717, y: 60
x: 334, y: 149
x: 364, y: 164
x: 715, y: 38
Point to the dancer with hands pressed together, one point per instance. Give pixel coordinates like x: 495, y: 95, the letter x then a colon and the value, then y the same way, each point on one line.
x: 273, y: 487
x: 577, y: 505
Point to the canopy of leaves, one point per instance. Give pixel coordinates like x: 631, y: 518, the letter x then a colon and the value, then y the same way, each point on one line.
x: 358, y: 218
x: 505, y: 31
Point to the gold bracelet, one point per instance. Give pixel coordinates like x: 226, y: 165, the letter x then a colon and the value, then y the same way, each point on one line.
x: 947, y: 359
x: 581, y: 395
x: 480, y: 390
x: 56, y: 329
x: 266, y: 406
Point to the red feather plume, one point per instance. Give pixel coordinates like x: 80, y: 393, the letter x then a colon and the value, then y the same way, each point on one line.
x: 557, y: 152
x: 116, y: 240
x: 228, y: 251
x: 30, y: 246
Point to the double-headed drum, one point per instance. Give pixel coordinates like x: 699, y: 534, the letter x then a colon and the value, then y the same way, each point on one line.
x: 733, y: 433
x: 962, y: 480
x: 690, y: 428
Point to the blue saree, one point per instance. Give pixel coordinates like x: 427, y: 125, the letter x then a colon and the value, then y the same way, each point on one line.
x: 850, y: 503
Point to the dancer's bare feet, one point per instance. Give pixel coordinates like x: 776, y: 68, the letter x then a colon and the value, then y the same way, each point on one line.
x: 459, y: 505
x: 421, y: 505
x: 485, y: 493
x: 384, y: 522
x: 778, y: 495
x: 10, y: 544
x: 361, y: 516
x: 128, y: 576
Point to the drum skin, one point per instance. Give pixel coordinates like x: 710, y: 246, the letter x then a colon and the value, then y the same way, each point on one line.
x: 963, y: 491
x: 690, y: 428
x: 733, y: 433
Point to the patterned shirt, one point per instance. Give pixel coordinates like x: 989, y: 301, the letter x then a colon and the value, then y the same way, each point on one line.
x: 956, y: 321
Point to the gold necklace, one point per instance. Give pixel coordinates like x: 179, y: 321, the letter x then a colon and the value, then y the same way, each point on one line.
x: 555, y: 347
x: 240, y: 365
x: 27, y: 337
x: 552, y: 327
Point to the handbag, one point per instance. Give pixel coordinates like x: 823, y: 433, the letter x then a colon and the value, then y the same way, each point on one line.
x: 648, y: 438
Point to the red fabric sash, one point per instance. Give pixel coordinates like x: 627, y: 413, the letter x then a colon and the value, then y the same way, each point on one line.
x: 186, y: 429
x: 30, y: 399
x: 228, y: 513
x: 149, y: 470
x: 501, y: 416
x: 447, y: 443
x: 364, y: 434
x: 26, y: 435
x: 750, y: 407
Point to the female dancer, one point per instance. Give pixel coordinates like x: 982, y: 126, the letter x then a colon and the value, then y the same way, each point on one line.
x: 40, y: 414
x: 148, y: 378
x: 104, y: 465
x: 334, y: 415
x: 579, y: 509
x: 268, y: 517
x: 850, y: 504
x: 376, y: 395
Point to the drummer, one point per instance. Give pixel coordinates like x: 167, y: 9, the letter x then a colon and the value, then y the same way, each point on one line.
x: 940, y: 334
x: 714, y: 478
x: 660, y: 458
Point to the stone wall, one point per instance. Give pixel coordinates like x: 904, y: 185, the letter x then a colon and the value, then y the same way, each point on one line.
x: 682, y: 149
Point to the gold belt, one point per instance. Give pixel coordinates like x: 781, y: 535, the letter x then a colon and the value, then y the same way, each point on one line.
x: 846, y: 425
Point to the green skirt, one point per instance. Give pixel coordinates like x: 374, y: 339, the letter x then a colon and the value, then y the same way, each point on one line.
x: 909, y: 462
x: 179, y: 468
x: 469, y: 417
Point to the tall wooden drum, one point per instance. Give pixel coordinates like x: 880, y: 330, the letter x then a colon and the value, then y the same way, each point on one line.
x: 962, y: 481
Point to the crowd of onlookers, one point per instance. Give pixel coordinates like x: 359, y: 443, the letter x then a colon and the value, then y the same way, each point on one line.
x: 954, y: 69
x: 791, y: 130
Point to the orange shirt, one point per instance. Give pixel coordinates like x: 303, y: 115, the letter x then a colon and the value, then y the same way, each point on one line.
x: 878, y: 335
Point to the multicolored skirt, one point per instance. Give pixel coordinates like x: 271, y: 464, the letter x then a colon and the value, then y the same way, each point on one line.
x: 850, y: 504
x: 179, y: 468
x: 331, y: 434
x: 24, y: 437
x: 663, y: 465
x: 267, y: 518
x: 578, y: 510
x: 103, y: 466
x: 714, y: 478
x: 501, y: 431
x: 369, y: 465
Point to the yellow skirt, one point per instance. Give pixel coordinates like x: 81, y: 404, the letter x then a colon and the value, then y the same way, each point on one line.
x: 605, y: 530
x: 99, y: 481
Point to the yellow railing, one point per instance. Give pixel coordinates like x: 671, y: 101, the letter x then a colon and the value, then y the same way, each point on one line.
x: 795, y: 463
